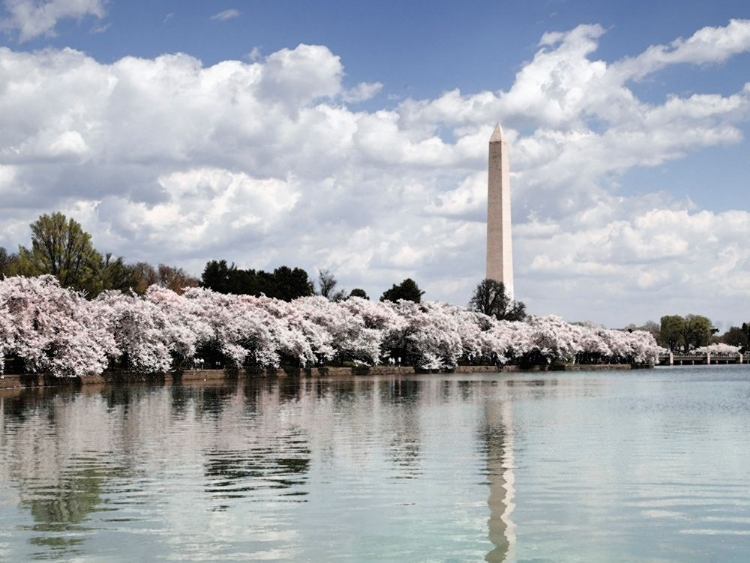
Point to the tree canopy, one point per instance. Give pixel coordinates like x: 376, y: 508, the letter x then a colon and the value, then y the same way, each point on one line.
x: 358, y: 292
x: 327, y: 283
x: 491, y: 299
x: 7, y: 262
x: 670, y: 332
x: 736, y: 336
x: 689, y: 332
x: 407, y: 290
x: 174, y: 278
x: 283, y: 283
x: 60, y: 247
x: 697, y: 332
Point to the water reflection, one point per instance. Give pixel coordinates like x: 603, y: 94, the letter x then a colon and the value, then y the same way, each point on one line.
x: 401, y: 398
x: 281, y: 466
x: 426, y: 468
x: 61, y: 508
x: 380, y: 449
x: 58, y: 487
x: 498, y: 439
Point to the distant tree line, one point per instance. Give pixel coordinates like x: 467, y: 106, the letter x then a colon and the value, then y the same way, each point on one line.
x: 283, y: 283
x: 683, y: 334
x: 61, y: 248
x: 288, y: 284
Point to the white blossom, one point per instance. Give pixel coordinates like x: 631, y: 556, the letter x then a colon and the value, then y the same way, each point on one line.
x: 58, y: 331
x: 52, y: 329
x: 718, y: 349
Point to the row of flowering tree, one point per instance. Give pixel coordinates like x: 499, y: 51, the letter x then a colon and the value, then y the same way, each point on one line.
x: 50, y: 329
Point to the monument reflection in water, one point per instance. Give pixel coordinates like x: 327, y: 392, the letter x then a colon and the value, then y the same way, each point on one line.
x: 498, y: 435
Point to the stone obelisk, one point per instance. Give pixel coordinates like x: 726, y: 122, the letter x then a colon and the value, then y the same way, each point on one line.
x: 499, y: 242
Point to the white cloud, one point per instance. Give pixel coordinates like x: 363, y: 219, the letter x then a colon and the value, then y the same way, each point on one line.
x: 299, y: 76
x: 707, y: 45
x: 658, y: 262
x: 203, y: 207
x: 468, y: 200
x: 226, y: 15
x: 32, y: 18
x: 265, y: 162
x: 362, y: 92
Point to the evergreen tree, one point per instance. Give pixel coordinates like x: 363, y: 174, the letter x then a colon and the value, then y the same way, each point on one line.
x: 218, y: 276
x: 283, y: 283
x: 357, y: 292
x: 407, y: 290
x: 291, y: 283
x: 113, y: 273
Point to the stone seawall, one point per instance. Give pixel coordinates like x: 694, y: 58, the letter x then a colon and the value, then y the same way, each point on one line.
x: 12, y: 381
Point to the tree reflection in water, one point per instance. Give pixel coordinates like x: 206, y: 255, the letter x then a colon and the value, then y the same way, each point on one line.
x: 60, y: 509
x: 60, y: 487
x: 248, y: 455
x: 280, y: 464
x: 403, y: 446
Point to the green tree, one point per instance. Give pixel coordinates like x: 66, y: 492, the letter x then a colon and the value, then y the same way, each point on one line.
x: 113, y: 273
x: 357, y: 292
x: 491, y: 299
x: 283, y: 283
x: 670, y: 331
x: 696, y: 332
x: 60, y: 247
x: 746, y: 329
x: 218, y: 276
x: 735, y: 336
x: 291, y: 283
x: 8, y: 262
x: 407, y: 290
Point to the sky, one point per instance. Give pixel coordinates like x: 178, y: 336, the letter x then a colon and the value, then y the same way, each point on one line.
x: 353, y: 136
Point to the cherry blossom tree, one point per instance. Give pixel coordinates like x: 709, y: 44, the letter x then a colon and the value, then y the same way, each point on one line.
x: 141, y: 331
x: 56, y: 330
x: 242, y: 335
x: 719, y: 349
x: 349, y: 335
x: 52, y: 329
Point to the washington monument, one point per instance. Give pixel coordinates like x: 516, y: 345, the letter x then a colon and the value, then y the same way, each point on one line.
x: 499, y: 243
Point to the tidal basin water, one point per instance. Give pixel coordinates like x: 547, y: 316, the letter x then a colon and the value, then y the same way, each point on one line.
x: 647, y: 466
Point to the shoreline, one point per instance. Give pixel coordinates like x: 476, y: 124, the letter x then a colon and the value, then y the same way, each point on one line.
x: 26, y: 381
